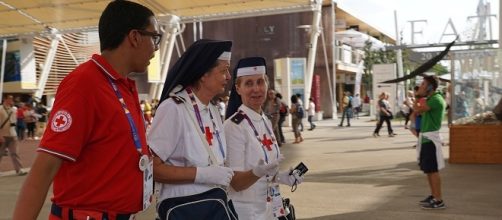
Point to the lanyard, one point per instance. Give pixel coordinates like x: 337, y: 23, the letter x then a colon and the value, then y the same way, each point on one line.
x: 201, y: 124
x: 132, y: 124
x: 258, y: 135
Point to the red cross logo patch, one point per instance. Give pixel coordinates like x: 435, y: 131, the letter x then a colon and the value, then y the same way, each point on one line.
x: 61, y: 121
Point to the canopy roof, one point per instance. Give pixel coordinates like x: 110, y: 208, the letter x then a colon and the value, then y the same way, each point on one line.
x: 22, y: 17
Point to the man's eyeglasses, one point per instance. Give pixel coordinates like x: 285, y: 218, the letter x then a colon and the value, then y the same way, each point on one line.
x: 155, y: 36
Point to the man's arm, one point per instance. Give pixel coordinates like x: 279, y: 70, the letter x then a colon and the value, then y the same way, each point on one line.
x: 35, y: 188
x: 421, y: 107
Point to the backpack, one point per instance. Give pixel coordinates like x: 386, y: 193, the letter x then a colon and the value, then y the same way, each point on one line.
x: 300, y: 112
x: 350, y: 102
x: 283, y: 110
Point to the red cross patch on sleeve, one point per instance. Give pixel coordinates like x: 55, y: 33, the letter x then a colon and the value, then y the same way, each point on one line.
x: 61, y: 121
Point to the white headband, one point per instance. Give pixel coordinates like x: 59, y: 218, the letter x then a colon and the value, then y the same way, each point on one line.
x: 252, y: 70
x: 225, y: 56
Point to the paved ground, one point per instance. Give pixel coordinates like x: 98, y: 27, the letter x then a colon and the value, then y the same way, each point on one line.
x: 352, y: 176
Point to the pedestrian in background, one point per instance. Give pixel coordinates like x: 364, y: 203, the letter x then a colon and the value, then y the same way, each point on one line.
x: 300, y: 102
x: 283, y: 113
x: 385, y: 115
x: 347, y: 108
x: 8, y: 136
x: 311, y: 114
x: 297, y: 113
x: 271, y: 109
x: 356, y: 105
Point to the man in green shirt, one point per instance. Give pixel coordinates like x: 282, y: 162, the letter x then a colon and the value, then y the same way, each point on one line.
x: 429, y: 150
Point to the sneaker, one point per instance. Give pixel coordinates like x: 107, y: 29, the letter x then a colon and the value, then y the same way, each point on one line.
x: 21, y: 173
x: 426, y: 200
x: 434, y: 204
x: 376, y: 135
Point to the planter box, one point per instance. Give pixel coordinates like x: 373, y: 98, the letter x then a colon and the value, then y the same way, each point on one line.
x: 476, y: 144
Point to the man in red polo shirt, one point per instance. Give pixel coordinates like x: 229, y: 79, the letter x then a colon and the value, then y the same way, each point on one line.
x: 94, y: 149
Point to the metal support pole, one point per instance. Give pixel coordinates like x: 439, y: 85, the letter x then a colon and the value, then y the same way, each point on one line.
x: 399, y: 56
x: 2, y: 73
x: 328, y: 74
x: 333, y: 62
x: 51, y: 54
x: 313, y: 49
x: 69, y: 51
x: 173, y: 30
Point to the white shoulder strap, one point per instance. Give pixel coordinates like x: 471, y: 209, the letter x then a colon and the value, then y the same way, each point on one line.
x: 212, y: 157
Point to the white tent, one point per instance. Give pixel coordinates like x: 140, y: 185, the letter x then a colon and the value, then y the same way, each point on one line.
x: 358, y: 39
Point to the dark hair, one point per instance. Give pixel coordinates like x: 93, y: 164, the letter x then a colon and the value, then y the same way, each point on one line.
x: 294, y: 99
x: 118, y: 18
x: 432, y: 81
x: 278, y: 95
x: 298, y: 95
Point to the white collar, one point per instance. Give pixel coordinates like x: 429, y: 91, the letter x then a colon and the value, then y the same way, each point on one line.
x: 184, y: 95
x: 255, y: 116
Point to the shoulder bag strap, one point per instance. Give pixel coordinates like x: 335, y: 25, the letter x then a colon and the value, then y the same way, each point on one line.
x: 6, y: 120
x: 212, y: 157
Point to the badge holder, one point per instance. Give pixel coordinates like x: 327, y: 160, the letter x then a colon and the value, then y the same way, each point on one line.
x: 146, y: 167
x: 275, y: 199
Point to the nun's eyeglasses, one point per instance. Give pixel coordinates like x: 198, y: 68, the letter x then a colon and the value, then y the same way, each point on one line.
x: 155, y: 36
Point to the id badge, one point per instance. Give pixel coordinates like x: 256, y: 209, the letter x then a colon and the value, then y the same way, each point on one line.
x: 276, y: 201
x: 147, y: 184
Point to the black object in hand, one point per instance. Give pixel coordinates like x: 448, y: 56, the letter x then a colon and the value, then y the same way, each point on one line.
x: 301, y: 169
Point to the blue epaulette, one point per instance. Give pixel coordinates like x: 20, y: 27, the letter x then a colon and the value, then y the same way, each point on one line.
x: 237, y: 118
x: 177, y: 99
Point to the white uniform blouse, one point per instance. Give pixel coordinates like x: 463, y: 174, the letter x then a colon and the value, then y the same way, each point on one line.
x: 244, y: 153
x: 174, y: 139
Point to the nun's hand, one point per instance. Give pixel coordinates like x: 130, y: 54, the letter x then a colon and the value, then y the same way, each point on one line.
x: 269, y: 169
x: 214, y: 175
x: 289, y: 177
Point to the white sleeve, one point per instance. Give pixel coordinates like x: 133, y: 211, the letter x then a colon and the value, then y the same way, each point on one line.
x: 166, y: 130
x: 236, y: 145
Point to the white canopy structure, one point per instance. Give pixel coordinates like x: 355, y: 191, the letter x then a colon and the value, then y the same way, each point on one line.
x: 358, y: 39
x: 53, y: 17
x: 21, y: 17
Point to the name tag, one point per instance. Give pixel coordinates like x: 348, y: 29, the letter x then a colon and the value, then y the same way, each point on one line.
x: 276, y: 201
x: 146, y: 166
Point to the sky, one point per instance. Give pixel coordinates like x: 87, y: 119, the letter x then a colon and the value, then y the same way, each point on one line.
x: 380, y: 14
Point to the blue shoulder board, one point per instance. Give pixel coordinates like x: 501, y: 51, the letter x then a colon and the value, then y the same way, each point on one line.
x: 237, y: 118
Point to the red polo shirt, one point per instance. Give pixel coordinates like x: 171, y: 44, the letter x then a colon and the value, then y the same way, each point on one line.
x: 89, y: 130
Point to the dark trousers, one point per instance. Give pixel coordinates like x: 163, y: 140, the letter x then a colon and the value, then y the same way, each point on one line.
x: 346, y: 113
x: 312, y: 125
x: 281, y: 134
x: 380, y: 123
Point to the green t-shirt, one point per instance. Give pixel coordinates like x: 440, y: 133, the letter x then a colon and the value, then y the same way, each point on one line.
x: 431, y: 120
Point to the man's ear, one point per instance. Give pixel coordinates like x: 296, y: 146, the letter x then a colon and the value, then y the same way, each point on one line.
x: 133, y: 38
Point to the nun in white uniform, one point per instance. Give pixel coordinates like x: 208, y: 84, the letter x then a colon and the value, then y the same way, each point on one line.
x: 253, y: 152
x: 187, y: 136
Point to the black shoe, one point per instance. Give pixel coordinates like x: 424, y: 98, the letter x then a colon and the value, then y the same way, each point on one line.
x: 426, y: 200
x: 348, y: 125
x: 434, y: 204
x: 340, y: 125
